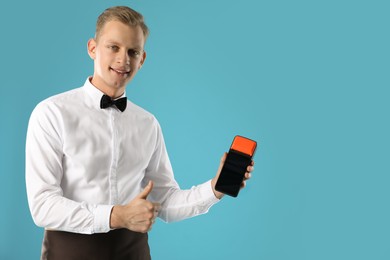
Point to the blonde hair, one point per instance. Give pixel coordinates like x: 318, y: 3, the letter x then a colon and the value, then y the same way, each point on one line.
x: 122, y: 14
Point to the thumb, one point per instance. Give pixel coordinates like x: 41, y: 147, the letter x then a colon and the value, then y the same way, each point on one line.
x: 146, y: 191
x: 222, y: 162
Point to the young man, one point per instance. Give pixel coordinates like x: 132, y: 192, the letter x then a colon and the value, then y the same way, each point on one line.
x: 89, y: 152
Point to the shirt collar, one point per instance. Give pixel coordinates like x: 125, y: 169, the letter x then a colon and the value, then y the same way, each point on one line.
x: 94, y: 93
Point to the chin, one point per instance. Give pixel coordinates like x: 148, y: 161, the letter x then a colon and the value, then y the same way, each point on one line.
x: 118, y: 83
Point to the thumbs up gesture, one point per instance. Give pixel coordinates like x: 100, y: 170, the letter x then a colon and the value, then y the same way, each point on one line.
x: 138, y: 215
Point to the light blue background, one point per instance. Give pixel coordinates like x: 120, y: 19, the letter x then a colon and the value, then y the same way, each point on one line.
x: 308, y: 79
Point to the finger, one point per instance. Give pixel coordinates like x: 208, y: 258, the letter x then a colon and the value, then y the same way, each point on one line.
x: 143, y: 219
x: 250, y: 168
x: 156, y: 212
x: 144, y: 194
x: 142, y: 228
x: 157, y: 207
x: 247, y: 176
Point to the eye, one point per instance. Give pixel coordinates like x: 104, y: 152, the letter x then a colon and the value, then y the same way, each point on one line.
x: 134, y: 53
x: 113, y: 48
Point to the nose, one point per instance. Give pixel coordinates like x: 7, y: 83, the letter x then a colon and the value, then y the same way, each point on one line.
x: 123, y: 58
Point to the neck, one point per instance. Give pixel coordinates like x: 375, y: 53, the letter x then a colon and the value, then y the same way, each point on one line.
x: 111, y: 92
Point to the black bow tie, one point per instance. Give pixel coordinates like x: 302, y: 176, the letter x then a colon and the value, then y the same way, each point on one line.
x: 120, y: 103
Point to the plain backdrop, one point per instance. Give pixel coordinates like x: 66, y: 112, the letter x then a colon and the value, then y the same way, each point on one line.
x: 309, y: 80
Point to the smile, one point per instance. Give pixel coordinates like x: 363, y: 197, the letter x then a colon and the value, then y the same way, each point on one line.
x: 121, y: 72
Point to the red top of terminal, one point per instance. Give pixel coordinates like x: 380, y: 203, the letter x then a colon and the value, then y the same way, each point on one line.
x: 244, y: 145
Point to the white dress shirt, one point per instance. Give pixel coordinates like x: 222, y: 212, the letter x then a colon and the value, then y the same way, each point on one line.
x: 82, y: 160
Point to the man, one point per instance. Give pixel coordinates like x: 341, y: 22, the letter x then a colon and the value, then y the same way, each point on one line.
x: 89, y: 152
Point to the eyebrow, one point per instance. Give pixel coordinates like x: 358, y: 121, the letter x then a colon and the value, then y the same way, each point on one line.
x: 116, y: 43
x: 112, y: 42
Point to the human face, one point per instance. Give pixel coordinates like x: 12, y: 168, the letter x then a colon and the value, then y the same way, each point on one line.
x: 118, y: 55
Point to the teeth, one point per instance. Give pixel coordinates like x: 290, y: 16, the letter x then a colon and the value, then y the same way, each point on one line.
x: 121, y: 71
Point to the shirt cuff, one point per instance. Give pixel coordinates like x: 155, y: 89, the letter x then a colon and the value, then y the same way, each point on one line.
x: 102, y: 216
x: 206, y: 190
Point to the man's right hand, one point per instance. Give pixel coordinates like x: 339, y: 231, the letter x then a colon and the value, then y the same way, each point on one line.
x: 139, y: 215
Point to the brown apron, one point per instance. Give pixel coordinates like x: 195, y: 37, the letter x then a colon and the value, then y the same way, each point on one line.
x: 115, y: 245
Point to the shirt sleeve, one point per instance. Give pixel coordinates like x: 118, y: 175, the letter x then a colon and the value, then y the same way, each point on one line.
x: 44, y: 171
x: 176, y: 204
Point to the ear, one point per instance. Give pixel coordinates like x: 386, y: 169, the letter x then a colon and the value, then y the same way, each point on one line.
x: 142, y: 60
x: 91, y: 48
